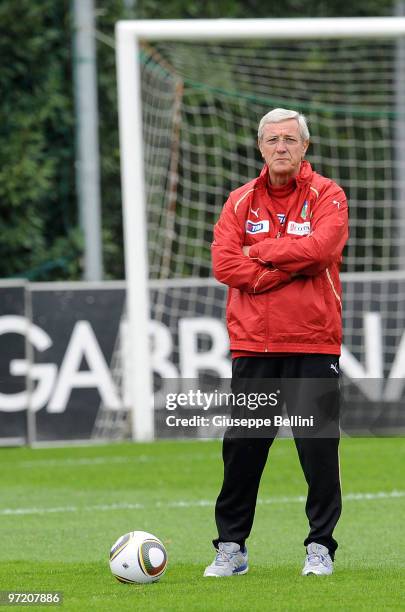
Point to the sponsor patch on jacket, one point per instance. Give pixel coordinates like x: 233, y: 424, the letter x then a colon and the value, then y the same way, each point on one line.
x: 299, y: 229
x: 281, y: 218
x: 258, y: 227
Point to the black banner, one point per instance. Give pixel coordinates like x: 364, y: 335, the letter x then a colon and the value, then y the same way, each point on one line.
x: 75, y: 352
x: 13, y: 360
x: 82, y: 326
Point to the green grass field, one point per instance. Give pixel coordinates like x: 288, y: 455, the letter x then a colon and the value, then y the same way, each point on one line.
x: 61, y: 510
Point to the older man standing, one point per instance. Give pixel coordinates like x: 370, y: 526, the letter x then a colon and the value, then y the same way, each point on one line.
x: 278, y: 246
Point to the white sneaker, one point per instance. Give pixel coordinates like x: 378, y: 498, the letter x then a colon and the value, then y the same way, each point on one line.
x: 318, y: 561
x: 229, y: 561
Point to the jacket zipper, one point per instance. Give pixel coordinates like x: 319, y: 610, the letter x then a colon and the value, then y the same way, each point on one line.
x: 267, y: 313
x: 280, y: 232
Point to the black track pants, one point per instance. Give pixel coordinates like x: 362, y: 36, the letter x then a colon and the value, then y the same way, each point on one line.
x: 245, y: 458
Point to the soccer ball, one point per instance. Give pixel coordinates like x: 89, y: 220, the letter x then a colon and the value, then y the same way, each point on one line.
x: 138, y: 557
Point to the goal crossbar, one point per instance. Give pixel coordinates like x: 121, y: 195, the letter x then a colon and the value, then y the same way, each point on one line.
x: 239, y: 29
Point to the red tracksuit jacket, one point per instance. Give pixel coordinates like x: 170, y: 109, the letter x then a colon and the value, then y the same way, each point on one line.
x: 286, y: 296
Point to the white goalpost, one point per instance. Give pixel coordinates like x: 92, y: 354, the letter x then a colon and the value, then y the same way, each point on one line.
x: 190, y: 96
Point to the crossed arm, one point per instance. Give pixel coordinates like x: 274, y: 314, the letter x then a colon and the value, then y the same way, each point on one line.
x: 273, y: 262
x: 234, y: 269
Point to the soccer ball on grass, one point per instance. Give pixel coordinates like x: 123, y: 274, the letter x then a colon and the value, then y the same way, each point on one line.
x: 138, y: 557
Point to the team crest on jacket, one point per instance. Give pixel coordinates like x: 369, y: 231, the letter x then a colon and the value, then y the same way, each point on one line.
x: 258, y: 227
x: 304, y: 210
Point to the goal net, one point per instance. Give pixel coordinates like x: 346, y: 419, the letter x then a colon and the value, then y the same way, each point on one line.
x: 200, y: 104
x: 201, y: 107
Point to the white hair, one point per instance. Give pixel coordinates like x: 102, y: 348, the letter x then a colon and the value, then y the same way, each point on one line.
x: 282, y: 114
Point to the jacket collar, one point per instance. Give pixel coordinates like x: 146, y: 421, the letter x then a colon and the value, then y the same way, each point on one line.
x: 304, y: 176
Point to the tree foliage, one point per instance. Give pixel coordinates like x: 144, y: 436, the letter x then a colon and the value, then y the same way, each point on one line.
x: 37, y: 193
x: 38, y: 207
